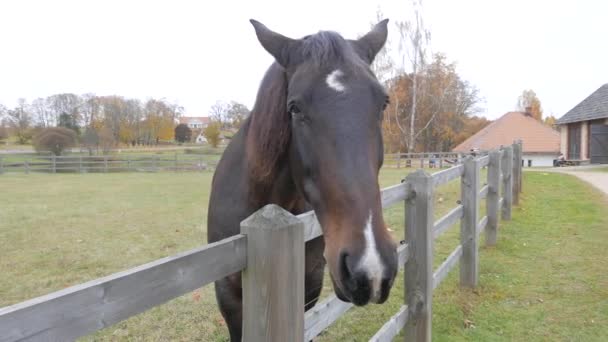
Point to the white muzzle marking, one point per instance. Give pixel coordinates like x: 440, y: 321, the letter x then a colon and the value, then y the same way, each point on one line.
x: 370, y: 261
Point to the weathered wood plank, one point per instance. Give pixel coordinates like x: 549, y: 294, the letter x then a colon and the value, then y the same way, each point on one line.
x: 469, y: 266
x: 403, y: 254
x: 395, y: 194
x: 85, y: 308
x: 324, y: 314
x: 273, y: 281
x: 447, y: 175
x: 492, y: 199
x: 444, y: 269
x: 507, y: 182
x: 481, y: 226
x: 483, y: 192
x: 447, y: 221
x: 392, y: 328
x: 312, y: 227
x: 483, y: 161
x: 419, y: 271
x: 517, y: 161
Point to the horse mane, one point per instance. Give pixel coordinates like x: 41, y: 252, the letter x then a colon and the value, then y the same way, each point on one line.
x: 269, y: 128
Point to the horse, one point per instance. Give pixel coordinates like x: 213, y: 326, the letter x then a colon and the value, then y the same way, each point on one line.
x: 312, y: 141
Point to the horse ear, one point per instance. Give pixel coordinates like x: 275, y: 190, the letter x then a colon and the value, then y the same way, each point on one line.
x: 370, y: 44
x: 276, y: 44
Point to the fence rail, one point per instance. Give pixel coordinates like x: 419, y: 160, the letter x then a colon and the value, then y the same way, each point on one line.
x: 278, y: 314
x: 105, y: 163
x: 128, y: 162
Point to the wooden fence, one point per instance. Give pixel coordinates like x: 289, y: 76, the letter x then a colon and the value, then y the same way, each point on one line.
x: 426, y: 159
x: 273, y: 277
x: 105, y: 163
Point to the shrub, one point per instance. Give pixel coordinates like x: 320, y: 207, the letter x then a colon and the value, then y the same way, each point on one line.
x: 183, y: 133
x: 54, y: 139
x: 212, y: 133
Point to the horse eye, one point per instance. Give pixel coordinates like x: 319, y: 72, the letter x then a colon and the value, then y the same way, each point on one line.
x: 293, y: 109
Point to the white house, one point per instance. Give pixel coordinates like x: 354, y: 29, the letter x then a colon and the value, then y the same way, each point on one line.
x: 195, y: 122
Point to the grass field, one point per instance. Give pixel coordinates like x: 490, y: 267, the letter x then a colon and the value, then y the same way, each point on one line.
x: 545, y: 280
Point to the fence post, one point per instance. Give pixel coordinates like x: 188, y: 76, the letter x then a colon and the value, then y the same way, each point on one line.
x: 53, y: 163
x: 493, y: 197
x: 1, y: 165
x: 419, y: 268
x: 27, y: 166
x: 175, y: 169
x: 273, y: 281
x: 80, y: 164
x: 422, y: 161
x: 128, y: 163
x: 516, y: 171
x: 105, y: 164
x: 507, y: 181
x: 520, y: 149
x: 469, y: 262
x: 398, y: 159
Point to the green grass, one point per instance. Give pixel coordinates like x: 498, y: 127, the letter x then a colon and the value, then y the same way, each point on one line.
x: 545, y: 280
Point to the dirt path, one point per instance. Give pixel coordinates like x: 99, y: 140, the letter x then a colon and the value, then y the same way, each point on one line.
x: 598, y: 179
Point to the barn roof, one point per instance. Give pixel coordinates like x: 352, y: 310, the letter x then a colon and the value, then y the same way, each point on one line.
x: 536, y: 136
x: 595, y: 106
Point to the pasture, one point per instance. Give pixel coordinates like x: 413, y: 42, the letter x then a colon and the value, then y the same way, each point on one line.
x: 543, y: 281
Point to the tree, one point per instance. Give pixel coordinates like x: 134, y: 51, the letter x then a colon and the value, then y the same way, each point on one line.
x: 414, y: 43
x: 3, y: 132
x: 183, y: 133
x: 212, y: 133
x: 219, y: 113
x: 90, y: 140
x: 236, y: 113
x: 444, y: 103
x: 55, y: 140
x: 20, y: 119
x: 67, y: 121
x: 528, y: 101
x: 550, y: 120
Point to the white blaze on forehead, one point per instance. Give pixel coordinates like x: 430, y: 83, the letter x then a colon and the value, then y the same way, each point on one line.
x: 333, y: 82
x: 370, y: 261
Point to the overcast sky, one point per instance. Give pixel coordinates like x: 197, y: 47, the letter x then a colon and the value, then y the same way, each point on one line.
x: 197, y: 52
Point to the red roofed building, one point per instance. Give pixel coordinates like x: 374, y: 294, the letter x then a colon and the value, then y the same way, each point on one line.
x: 195, y: 122
x: 541, y: 143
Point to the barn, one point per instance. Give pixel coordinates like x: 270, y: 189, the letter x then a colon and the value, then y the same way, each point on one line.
x: 584, y: 129
x: 540, y: 142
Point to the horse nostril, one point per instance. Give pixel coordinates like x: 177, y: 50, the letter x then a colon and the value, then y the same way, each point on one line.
x: 344, y: 269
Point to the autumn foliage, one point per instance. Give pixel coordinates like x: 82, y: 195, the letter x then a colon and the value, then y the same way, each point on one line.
x: 212, y: 133
x: 445, y: 109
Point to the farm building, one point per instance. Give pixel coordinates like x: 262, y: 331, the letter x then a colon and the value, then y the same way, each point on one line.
x: 195, y: 122
x: 584, y: 129
x: 540, y: 142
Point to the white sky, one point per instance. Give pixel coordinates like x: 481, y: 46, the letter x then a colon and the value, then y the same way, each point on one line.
x: 197, y: 52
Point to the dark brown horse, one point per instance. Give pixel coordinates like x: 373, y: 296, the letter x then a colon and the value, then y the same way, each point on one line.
x: 313, y: 141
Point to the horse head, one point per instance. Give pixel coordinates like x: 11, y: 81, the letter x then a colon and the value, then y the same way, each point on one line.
x: 334, y: 105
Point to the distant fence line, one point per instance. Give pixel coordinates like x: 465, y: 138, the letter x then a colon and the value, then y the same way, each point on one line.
x: 105, y: 163
x: 273, y: 234
x: 128, y: 162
